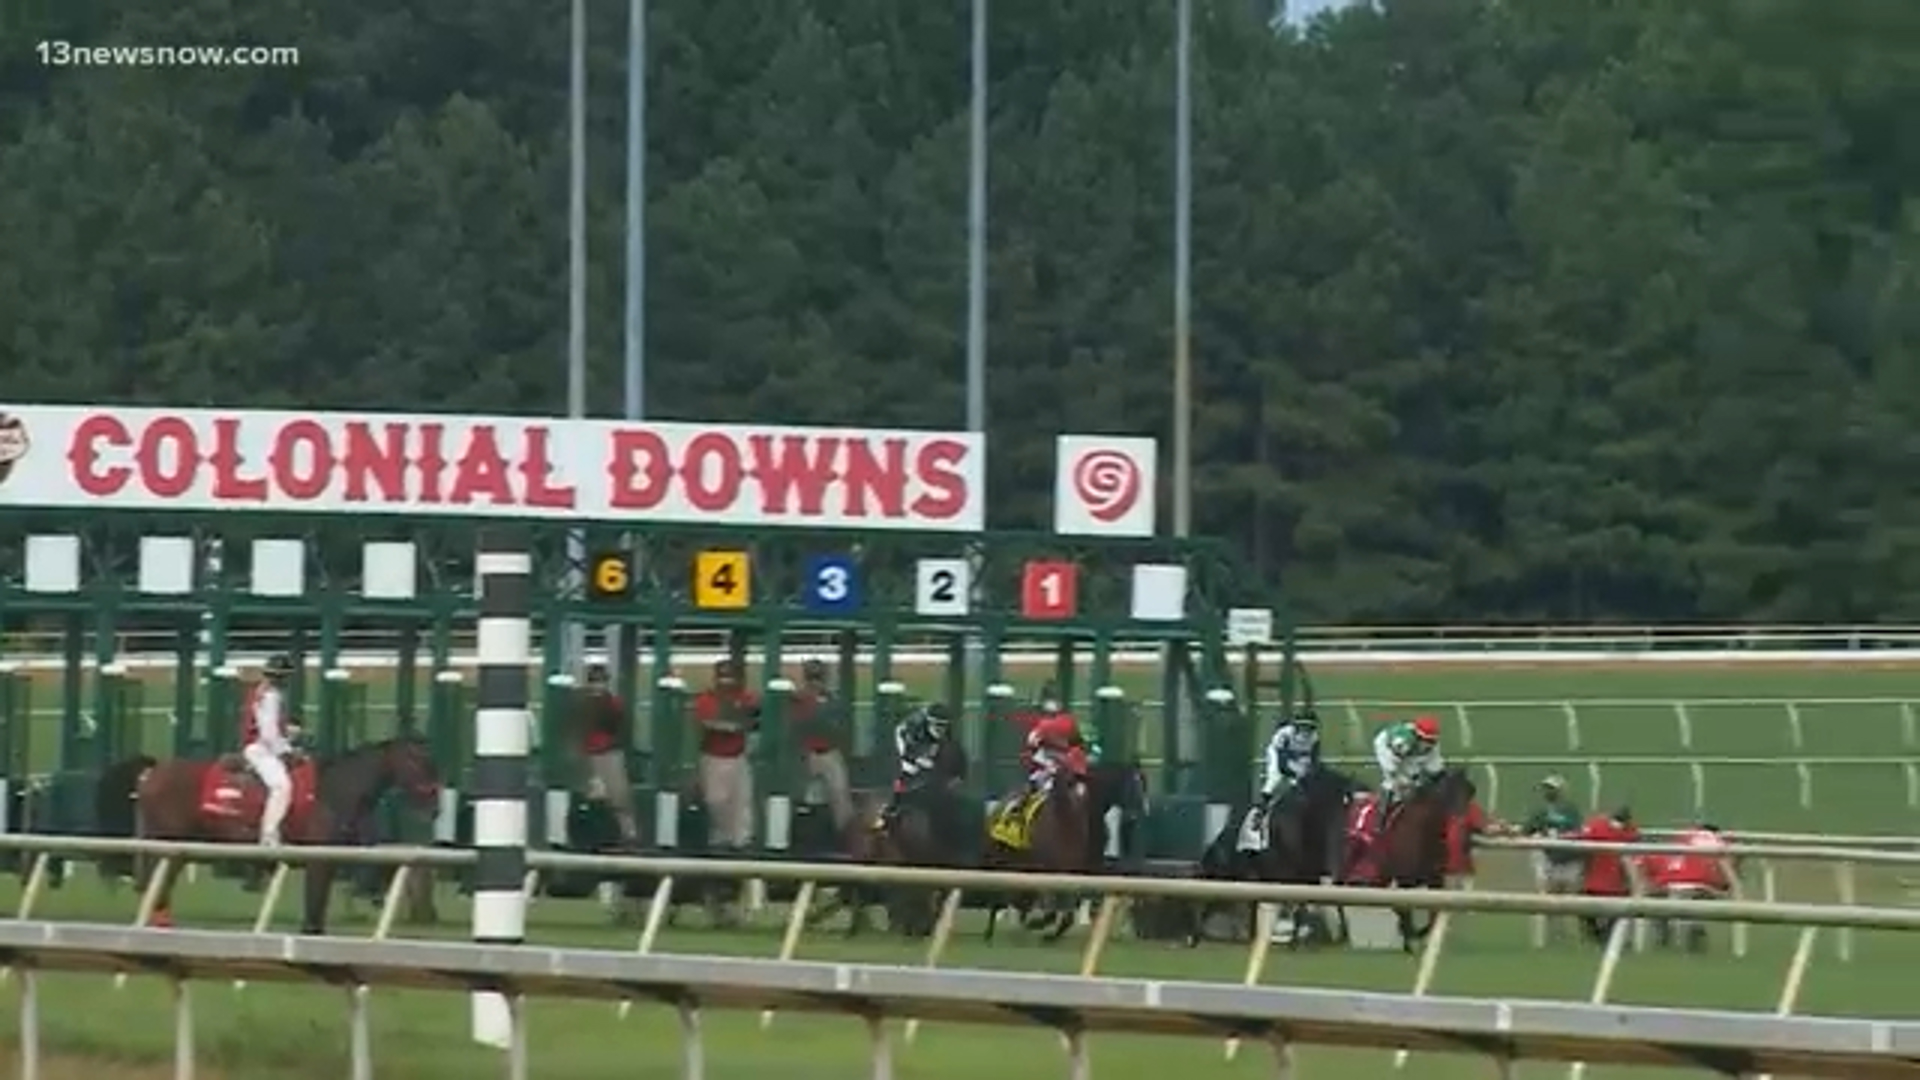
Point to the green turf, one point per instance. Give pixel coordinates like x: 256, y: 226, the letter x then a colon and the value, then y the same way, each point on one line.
x: 1855, y: 769
x: 1748, y: 779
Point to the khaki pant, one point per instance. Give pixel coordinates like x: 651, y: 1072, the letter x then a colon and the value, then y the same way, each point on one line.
x: 726, y: 786
x: 829, y: 769
x: 607, y: 779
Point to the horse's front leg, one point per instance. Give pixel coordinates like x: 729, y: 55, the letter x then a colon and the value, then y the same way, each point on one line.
x: 168, y: 871
x: 319, y: 886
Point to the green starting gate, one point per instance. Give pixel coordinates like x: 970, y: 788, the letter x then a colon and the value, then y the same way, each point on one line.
x: 158, y: 619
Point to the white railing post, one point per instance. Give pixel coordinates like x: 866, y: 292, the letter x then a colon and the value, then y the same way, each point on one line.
x: 359, y: 1035
x: 1683, y: 720
x: 1573, y: 724
x: 1264, y: 916
x: 1603, y: 980
x: 29, y: 1024
x: 1699, y: 773
x: 1465, y: 717
x: 182, y: 1030
x: 1849, y: 896
x: 1795, y: 732
x: 1909, y: 725
x: 1429, y: 966
x: 693, y: 1056
x: 790, y: 941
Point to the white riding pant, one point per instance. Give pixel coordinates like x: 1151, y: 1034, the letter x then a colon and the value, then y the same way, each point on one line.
x: 272, y: 772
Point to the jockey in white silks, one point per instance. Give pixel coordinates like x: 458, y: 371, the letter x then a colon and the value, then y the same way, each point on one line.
x: 265, y: 741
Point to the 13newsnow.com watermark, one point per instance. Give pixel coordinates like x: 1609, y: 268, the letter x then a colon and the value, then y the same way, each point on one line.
x: 67, y: 54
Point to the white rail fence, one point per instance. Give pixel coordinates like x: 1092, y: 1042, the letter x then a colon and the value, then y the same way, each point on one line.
x: 1629, y: 916
x: 1508, y: 1031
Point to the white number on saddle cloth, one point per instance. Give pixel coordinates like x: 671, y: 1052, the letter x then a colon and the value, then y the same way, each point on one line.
x: 1253, y: 839
x: 1363, y: 811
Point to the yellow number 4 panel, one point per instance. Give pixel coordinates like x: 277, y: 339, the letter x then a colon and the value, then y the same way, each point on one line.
x: 722, y: 580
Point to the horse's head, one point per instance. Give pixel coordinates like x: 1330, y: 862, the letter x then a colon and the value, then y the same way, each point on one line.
x: 1455, y: 790
x: 406, y: 765
x: 1123, y: 785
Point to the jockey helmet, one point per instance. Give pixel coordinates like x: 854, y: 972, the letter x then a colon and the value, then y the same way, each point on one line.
x: 1305, y: 716
x: 1624, y: 815
x: 1554, y: 784
x: 727, y: 671
x: 596, y: 673
x: 813, y: 671
x: 1427, y: 728
x: 279, y: 667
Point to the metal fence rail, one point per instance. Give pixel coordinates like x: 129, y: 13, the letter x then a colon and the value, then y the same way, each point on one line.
x: 1742, y: 1044
x: 1630, y: 915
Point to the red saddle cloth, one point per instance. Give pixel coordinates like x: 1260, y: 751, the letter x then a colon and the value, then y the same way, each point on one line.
x: 230, y: 791
x: 1362, y: 829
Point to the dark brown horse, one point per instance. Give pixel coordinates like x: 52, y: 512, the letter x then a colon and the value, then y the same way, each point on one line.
x: 1410, y: 851
x: 221, y: 801
x: 1050, y: 835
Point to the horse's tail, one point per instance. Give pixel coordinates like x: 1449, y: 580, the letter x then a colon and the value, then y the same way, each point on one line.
x: 116, y: 808
x: 116, y: 797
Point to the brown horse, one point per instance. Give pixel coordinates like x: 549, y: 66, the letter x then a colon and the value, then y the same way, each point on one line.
x: 1411, y: 850
x: 1045, y: 831
x: 221, y: 802
x: 908, y: 837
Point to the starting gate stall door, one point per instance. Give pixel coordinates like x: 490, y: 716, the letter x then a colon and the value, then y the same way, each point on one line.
x: 16, y: 758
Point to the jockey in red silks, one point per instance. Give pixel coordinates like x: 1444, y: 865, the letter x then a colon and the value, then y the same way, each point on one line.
x: 1052, y: 742
x: 1700, y: 872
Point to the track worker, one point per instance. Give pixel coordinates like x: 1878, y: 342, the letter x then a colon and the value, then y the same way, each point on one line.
x: 727, y: 713
x: 602, y: 736
x: 821, y: 720
x: 1607, y: 872
x: 1560, y: 871
x: 266, y: 738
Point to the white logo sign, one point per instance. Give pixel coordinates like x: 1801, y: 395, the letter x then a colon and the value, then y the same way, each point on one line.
x: 1104, y: 485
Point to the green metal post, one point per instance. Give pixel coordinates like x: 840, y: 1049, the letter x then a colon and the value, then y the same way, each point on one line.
x: 670, y: 760
x: 876, y: 724
x: 223, y: 707
x: 774, y: 756
x: 186, y: 691
x: 1066, y: 669
x: 1179, y: 775
x: 406, y: 675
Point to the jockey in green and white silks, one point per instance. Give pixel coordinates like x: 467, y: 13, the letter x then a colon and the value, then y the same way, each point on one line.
x: 1408, y: 753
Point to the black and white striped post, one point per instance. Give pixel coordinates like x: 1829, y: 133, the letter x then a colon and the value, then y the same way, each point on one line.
x: 504, y: 571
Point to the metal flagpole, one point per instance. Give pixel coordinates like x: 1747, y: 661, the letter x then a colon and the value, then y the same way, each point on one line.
x: 577, y: 284
x: 977, y: 278
x: 617, y: 636
x: 1182, y: 273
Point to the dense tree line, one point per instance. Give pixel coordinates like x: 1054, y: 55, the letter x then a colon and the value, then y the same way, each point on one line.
x: 1595, y: 309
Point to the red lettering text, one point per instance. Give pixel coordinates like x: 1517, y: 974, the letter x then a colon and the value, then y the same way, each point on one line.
x: 302, y: 460
x: 228, y: 484
x: 481, y: 472
x: 718, y: 493
x: 638, y: 468
x: 90, y: 436
x: 371, y: 463
x: 881, y: 477
x: 536, y: 470
x: 793, y: 474
x: 168, y: 457
x: 938, y: 464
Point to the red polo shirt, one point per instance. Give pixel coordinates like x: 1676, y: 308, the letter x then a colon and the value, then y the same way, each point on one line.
x: 710, y: 710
